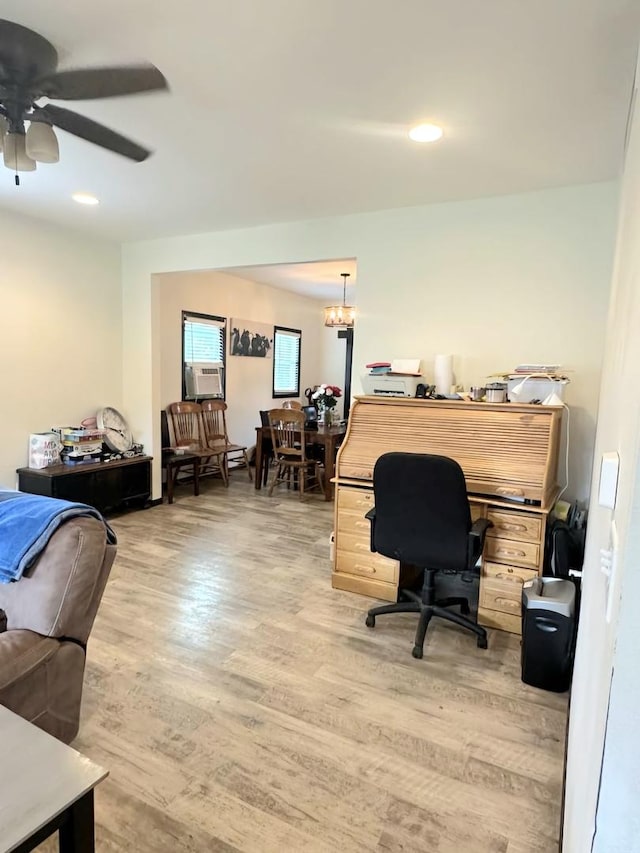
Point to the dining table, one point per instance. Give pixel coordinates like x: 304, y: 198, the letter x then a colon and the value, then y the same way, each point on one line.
x: 329, y: 437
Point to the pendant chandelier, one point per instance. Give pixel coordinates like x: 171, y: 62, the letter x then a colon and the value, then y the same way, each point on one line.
x: 341, y: 315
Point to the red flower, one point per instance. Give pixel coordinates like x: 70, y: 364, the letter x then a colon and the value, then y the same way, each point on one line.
x: 326, y: 396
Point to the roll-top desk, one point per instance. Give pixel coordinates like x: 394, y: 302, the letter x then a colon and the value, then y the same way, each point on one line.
x: 509, y: 456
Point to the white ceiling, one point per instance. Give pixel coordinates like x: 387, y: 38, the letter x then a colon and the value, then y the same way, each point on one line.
x: 319, y: 279
x: 292, y: 109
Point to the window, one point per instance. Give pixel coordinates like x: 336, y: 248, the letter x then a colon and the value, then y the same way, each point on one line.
x: 286, y: 362
x: 203, y: 347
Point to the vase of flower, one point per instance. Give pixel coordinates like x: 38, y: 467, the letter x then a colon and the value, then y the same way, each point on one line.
x: 326, y: 416
x: 325, y: 397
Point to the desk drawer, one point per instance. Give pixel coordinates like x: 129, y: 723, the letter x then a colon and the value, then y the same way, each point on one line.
x: 354, y: 522
x: 514, y: 525
x: 372, y: 566
x: 500, y: 604
x: 355, y: 499
x: 499, y: 620
x: 503, y: 596
x: 365, y: 585
x: 510, y: 574
x: 358, y: 544
x: 526, y: 554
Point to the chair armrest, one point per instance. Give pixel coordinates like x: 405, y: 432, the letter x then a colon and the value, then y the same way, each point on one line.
x: 479, y: 527
x: 477, y: 536
x: 60, y: 594
x: 371, y: 516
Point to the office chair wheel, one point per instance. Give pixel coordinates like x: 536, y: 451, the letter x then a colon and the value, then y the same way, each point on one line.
x: 482, y: 642
x: 417, y: 652
x: 370, y: 621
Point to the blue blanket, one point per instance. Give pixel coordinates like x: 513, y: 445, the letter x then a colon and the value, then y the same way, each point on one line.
x: 27, y: 522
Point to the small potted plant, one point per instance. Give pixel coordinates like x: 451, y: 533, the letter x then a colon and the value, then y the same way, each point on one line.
x: 326, y: 398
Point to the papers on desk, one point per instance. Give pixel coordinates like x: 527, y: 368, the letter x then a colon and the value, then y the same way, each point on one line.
x: 405, y: 367
x: 397, y: 367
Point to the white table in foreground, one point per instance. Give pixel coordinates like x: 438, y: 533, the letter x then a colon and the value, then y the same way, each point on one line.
x: 46, y: 787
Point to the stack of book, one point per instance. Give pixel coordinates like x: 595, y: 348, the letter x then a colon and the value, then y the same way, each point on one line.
x: 80, y: 446
x: 548, y: 369
x: 397, y: 367
x: 378, y: 368
x: 540, y: 371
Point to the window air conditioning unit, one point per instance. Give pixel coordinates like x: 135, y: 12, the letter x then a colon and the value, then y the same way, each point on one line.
x: 203, y: 380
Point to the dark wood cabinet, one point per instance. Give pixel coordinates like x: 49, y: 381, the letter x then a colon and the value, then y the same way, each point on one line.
x: 103, y: 485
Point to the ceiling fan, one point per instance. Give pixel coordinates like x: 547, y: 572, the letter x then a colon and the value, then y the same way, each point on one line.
x: 28, y: 73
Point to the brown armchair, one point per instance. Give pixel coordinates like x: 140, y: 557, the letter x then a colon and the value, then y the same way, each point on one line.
x: 50, y: 613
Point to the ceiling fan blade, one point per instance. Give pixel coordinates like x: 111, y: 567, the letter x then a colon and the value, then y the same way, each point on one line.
x: 90, y: 130
x: 89, y: 83
x: 25, y: 55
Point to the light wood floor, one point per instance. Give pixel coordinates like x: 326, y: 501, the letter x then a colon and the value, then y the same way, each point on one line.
x: 241, y: 704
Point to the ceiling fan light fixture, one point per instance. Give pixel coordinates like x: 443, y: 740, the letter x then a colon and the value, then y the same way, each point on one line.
x: 341, y: 316
x: 4, y: 127
x: 15, y: 155
x: 41, y: 143
x: 29, y: 72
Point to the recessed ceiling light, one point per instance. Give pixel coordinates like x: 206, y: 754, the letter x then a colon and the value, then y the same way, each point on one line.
x: 426, y: 133
x: 85, y: 198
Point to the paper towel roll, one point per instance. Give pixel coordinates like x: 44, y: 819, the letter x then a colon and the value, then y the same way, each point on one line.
x: 443, y: 374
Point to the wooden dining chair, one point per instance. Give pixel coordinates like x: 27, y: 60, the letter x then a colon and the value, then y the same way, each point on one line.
x: 267, y: 456
x: 188, y: 432
x: 173, y: 463
x: 214, y: 421
x: 292, y: 463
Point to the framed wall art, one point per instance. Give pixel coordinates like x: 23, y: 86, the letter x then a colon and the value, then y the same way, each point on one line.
x: 250, y: 338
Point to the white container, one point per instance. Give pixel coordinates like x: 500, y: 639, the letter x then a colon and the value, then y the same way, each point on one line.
x: 44, y: 449
x: 443, y: 374
x: 496, y: 392
x: 535, y: 389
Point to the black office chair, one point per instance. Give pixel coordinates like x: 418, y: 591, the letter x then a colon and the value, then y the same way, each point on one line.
x: 422, y: 518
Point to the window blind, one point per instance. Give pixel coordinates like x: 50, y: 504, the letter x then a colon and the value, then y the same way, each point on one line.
x: 286, y: 362
x: 203, y: 340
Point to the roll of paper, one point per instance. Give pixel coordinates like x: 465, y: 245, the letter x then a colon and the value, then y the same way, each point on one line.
x: 443, y: 374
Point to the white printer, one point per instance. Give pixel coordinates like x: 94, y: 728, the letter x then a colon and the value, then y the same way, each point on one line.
x: 390, y: 385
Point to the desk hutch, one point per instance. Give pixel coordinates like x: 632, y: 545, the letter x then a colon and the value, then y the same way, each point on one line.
x: 509, y: 455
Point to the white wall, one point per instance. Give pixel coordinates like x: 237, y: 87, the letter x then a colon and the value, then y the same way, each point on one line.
x: 249, y: 381
x: 495, y: 281
x: 602, y: 797
x: 618, y: 816
x: 333, y: 353
x: 60, y: 332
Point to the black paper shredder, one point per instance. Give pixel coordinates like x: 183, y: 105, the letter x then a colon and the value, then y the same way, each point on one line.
x: 548, y: 630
